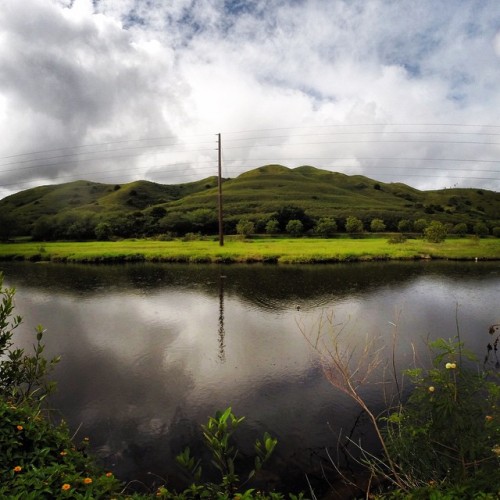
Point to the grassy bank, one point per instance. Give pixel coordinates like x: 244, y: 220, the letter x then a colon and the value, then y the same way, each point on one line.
x: 301, y: 250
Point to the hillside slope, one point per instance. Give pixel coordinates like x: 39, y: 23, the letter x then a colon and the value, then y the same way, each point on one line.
x: 257, y: 194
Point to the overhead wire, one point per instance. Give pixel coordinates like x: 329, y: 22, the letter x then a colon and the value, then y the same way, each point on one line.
x: 191, y: 157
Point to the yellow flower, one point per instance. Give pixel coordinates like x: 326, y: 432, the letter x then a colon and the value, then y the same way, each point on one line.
x: 65, y: 487
x: 453, y: 366
x: 450, y: 366
x: 19, y: 427
x: 432, y: 388
x: 109, y: 474
x: 488, y: 418
x: 63, y: 453
x: 87, y: 480
x: 18, y: 468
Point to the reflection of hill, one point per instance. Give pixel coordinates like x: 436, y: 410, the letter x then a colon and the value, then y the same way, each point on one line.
x: 262, y: 286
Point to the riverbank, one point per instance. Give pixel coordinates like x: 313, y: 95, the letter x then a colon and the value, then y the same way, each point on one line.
x: 283, y: 251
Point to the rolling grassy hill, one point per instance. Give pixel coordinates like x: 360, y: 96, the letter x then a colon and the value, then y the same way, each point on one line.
x: 257, y: 194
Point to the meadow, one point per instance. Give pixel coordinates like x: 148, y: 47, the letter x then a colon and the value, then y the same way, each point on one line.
x: 266, y: 250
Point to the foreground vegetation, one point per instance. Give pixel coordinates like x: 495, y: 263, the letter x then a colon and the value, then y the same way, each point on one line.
x: 442, y: 442
x: 294, y: 250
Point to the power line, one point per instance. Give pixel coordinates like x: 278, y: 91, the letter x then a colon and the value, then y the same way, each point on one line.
x: 350, y: 125
x: 76, y: 157
x: 309, y: 127
x: 398, y: 141
x: 99, y: 144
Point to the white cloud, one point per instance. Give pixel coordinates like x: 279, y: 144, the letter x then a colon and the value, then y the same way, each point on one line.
x: 75, y: 73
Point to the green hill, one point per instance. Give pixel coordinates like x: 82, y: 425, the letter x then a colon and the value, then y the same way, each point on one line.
x: 146, y: 208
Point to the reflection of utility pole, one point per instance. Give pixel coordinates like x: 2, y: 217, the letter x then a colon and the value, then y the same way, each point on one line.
x: 222, y: 333
x: 221, y: 231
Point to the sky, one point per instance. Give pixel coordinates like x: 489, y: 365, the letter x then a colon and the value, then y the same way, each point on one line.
x: 114, y: 91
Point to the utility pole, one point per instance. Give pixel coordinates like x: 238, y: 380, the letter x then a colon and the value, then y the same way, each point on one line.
x: 221, y: 230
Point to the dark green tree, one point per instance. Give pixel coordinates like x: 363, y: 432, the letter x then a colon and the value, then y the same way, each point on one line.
x: 377, y: 226
x: 404, y: 226
x: 435, y: 232
x: 272, y: 227
x: 353, y: 225
x: 419, y: 225
x: 295, y: 227
x: 290, y: 212
x: 481, y: 229
x: 326, y: 227
x: 460, y: 229
x: 44, y: 228
x: 245, y: 227
x: 103, y: 231
x: 7, y: 226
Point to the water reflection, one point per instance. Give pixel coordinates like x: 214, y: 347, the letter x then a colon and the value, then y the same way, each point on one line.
x: 149, y: 351
x: 222, y: 355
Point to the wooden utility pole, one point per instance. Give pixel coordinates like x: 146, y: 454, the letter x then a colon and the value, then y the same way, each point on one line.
x: 221, y: 229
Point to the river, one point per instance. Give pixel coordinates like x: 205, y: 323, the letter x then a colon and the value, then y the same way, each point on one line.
x: 149, y: 351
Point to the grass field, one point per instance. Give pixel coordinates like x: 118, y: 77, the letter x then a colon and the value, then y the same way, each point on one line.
x: 300, y: 250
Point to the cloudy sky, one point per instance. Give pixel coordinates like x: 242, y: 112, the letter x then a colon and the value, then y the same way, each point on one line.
x: 119, y: 90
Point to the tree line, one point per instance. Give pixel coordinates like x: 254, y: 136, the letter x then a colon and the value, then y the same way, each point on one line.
x: 288, y: 220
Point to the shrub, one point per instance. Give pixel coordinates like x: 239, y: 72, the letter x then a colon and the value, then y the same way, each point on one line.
x: 404, y: 225
x: 295, y: 227
x: 377, y: 226
x: 245, y: 227
x: 419, y: 225
x: 103, y: 231
x: 460, y: 229
x: 481, y: 229
x: 217, y: 434
x: 272, y: 227
x: 448, y: 431
x: 38, y: 458
x: 444, y: 436
x: 397, y: 238
x: 496, y: 231
x: 22, y: 376
x: 353, y: 225
x: 326, y: 227
x: 191, y: 237
x: 435, y: 232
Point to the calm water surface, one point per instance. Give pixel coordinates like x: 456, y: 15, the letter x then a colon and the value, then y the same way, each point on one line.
x: 150, y: 351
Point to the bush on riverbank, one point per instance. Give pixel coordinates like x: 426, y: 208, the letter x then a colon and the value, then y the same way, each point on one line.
x: 441, y: 441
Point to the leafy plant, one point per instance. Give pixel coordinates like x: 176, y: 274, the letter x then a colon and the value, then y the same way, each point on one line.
x: 377, y: 225
x: 397, y: 238
x: 22, y: 376
x: 448, y: 431
x: 245, y: 227
x: 444, y: 437
x: 217, y: 434
x: 353, y: 225
x: 39, y: 459
x: 435, y: 232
